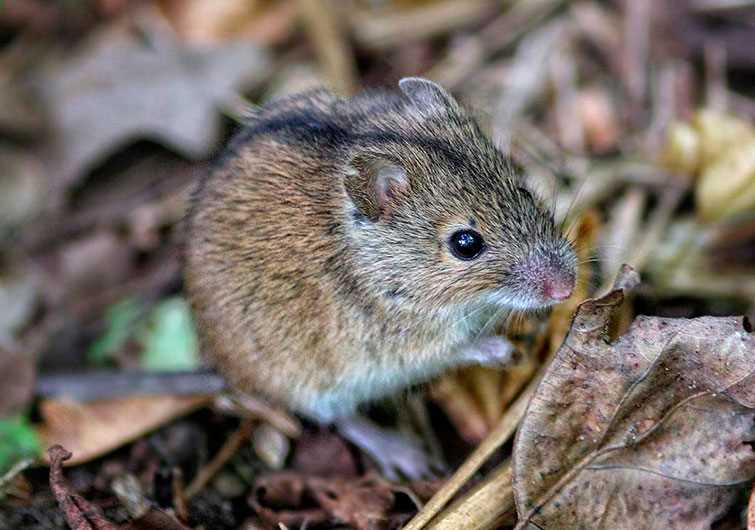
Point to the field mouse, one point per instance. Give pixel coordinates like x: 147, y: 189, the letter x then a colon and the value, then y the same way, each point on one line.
x: 343, y: 249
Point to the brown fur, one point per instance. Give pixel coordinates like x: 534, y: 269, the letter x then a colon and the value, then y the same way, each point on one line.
x: 301, y: 296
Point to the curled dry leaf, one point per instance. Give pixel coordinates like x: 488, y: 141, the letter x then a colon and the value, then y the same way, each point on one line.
x: 286, y: 497
x: 650, y: 431
x: 79, y: 513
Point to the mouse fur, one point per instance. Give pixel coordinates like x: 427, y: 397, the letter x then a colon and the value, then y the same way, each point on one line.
x: 317, y: 260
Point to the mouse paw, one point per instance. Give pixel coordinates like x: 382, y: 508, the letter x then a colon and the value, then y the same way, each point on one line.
x: 488, y: 351
x: 396, y: 455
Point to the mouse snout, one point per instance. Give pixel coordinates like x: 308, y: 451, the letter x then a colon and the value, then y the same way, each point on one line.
x: 558, y: 286
x: 549, y: 275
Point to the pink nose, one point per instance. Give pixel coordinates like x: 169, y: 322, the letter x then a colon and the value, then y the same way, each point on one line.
x: 559, y: 288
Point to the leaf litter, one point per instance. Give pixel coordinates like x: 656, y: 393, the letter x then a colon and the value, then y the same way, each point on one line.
x: 651, y: 430
x: 638, y: 126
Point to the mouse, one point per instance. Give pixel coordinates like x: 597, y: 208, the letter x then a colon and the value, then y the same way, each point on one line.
x: 342, y: 249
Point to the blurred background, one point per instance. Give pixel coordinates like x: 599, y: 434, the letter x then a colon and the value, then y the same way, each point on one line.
x: 635, y: 117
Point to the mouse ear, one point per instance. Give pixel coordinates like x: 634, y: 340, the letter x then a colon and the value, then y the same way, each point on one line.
x: 428, y: 97
x: 375, y: 184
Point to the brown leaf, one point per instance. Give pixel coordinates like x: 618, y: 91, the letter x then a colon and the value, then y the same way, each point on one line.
x: 286, y: 497
x: 324, y: 454
x: 131, y: 81
x: 79, y: 513
x: 649, y: 431
x: 93, y: 429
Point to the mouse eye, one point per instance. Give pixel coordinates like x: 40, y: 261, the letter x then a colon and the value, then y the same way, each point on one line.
x: 466, y: 244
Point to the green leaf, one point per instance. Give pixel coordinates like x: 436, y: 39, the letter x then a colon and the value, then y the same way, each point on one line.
x: 121, y: 321
x: 18, y: 440
x: 170, y: 341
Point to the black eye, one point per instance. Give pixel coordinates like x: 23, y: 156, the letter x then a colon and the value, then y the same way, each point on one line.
x: 466, y: 244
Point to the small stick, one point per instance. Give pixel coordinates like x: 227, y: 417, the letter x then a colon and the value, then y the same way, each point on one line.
x: 94, y: 386
x: 252, y: 407
x: 490, y: 504
x: 230, y: 447
x: 497, y: 437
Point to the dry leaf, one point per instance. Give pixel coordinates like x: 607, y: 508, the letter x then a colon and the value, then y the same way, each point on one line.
x: 650, y: 431
x: 132, y: 82
x: 92, y: 429
x: 79, y: 513
x: 286, y: 497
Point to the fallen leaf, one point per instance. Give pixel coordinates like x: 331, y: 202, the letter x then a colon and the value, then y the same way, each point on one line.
x: 93, y: 429
x: 650, y: 431
x: 324, y: 454
x: 751, y: 511
x: 286, y: 497
x: 79, y: 513
x: 134, y: 80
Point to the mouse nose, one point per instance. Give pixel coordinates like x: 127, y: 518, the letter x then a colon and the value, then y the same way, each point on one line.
x: 559, y: 287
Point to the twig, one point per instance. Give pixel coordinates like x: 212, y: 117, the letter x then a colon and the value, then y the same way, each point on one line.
x: 14, y: 471
x: 256, y: 408
x: 226, y: 452
x: 719, y: 6
x: 490, y: 504
x: 107, y: 385
x: 497, y: 437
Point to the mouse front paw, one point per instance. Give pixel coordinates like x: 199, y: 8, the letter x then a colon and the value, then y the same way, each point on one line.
x: 488, y: 351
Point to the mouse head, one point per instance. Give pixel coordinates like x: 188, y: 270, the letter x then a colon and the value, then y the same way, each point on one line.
x: 438, y: 218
